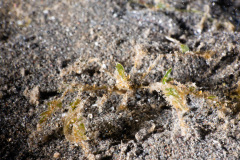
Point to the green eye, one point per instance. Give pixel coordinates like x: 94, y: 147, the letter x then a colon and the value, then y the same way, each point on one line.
x: 184, y: 48
x: 172, y: 92
x: 166, y: 76
x: 211, y: 97
x: 120, y: 70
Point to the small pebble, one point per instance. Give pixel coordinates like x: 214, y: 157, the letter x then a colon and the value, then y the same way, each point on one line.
x: 56, y: 155
x: 39, y: 127
x: 22, y: 71
x: 45, y: 12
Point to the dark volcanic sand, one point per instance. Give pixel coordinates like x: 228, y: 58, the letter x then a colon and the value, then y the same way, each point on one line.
x: 39, y: 39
